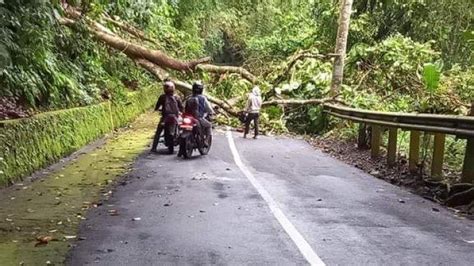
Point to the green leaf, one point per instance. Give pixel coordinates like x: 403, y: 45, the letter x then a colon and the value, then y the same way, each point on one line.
x: 431, y: 77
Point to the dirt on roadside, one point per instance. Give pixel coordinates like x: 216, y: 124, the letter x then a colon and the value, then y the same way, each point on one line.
x: 419, y: 183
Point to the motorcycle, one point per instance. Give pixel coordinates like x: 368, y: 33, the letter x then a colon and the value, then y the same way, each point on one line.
x: 190, y: 137
x: 171, y: 132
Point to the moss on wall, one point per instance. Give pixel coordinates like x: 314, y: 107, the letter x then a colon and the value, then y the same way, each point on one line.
x: 32, y: 143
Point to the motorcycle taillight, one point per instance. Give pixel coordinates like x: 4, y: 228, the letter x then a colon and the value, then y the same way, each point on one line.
x: 187, y: 120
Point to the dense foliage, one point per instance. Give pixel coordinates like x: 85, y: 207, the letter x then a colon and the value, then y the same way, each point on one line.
x: 47, y: 66
x: 414, y: 54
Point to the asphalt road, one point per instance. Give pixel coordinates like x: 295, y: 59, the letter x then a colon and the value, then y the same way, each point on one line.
x: 276, y: 202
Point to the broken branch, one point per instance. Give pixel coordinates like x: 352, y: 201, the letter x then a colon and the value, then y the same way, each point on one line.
x: 130, y: 29
x: 295, y: 102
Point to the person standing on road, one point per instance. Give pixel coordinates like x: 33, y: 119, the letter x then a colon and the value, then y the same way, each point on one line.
x: 170, y: 105
x: 254, y: 103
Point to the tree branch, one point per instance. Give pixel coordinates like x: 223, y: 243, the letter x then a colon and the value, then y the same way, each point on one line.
x: 229, y: 69
x: 130, y: 29
x: 294, y: 102
x: 297, y: 58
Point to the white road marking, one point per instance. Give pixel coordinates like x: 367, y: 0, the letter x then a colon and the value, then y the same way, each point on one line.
x: 290, y: 229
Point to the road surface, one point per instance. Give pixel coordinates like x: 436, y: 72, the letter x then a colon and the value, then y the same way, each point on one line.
x: 271, y: 201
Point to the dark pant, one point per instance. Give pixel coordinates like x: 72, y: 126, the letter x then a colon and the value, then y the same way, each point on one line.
x: 250, y: 117
x: 156, y: 139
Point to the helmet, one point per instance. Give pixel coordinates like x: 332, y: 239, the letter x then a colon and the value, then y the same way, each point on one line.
x: 198, y: 88
x: 168, y: 87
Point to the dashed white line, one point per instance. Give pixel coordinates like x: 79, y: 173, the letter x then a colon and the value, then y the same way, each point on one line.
x: 290, y: 229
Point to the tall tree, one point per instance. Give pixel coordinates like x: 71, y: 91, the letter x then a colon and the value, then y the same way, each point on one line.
x: 341, y: 44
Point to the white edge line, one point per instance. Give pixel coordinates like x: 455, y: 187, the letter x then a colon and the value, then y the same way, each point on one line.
x: 290, y: 229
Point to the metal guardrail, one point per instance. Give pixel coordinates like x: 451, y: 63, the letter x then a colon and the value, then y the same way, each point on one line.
x: 462, y: 126
x: 439, y: 125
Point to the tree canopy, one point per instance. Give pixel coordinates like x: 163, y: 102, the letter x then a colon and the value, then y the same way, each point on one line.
x: 394, y: 45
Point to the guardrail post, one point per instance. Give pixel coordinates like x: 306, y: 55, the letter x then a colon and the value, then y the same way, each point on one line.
x: 414, y: 156
x: 438, y: 156
x: 362, y: 137
x: 375, y: 141
x: 468, y: 167
x: 392, y: 146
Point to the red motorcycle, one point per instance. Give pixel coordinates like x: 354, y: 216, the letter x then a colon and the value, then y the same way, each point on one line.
x: 191, y: 138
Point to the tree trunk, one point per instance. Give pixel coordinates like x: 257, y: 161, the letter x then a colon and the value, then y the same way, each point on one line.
x: 341, y: 45
x: 154, y: 56
x: 157, y: 57
x: 101, y: 33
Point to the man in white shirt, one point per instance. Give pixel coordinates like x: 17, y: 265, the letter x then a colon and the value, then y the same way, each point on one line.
x: 254, y: 103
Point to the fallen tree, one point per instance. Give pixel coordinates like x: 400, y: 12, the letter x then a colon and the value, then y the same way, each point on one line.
x: 156, y: 62
x: 103, y: 34
x: 132, y: 50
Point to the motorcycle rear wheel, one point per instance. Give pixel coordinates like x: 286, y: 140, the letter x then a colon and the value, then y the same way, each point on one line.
x: 206, y: 146
x: 186, y: 146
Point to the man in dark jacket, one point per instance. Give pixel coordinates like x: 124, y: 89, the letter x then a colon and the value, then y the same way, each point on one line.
x: 169, y: 105
x: 200, y: 108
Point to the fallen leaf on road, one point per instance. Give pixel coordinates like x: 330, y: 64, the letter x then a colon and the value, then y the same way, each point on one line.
x: 69, y: 237
x: 136, y: 219
x: 468, y: 241
x: 401, y: 201
x: 167, y: 204
x: 113, y: 212
x: 201, y: 211
x: 43, y: 240
x: 435, y: 209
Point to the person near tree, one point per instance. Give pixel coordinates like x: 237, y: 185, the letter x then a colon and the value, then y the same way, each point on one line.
x: 254, y: 103
x: 198, y: 105
x: 170, y: 105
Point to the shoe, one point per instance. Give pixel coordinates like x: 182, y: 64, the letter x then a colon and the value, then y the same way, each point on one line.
x: 255, y: 137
